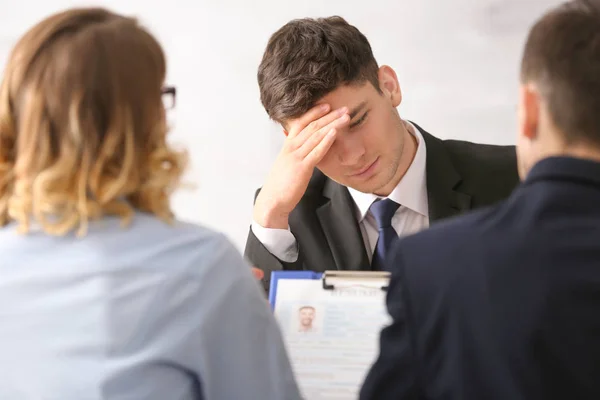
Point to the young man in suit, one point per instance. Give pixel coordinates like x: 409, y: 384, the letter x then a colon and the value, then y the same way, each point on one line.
x: 347, y: 147
x: 504, y: 303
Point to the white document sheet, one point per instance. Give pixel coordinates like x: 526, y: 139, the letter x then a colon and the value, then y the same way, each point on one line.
x: 332, y: 335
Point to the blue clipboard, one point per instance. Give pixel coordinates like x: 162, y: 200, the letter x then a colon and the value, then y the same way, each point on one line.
x: 277, y: 275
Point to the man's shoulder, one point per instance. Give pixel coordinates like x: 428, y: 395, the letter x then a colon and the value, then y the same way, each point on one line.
x: 431, y: 260
x: 175, y: 245
x: 432, y: 264
x: 455, y: 228
x: 488, y: 172
x: 465, y: 155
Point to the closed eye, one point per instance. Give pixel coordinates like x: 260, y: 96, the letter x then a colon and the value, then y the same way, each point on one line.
x: 359, y: 121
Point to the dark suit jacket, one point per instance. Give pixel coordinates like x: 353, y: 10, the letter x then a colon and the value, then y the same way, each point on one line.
x: 460, y: 176
x: 507, y: 306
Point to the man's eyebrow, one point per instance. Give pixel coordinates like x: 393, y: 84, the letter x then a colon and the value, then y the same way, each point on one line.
x: 357, y: 109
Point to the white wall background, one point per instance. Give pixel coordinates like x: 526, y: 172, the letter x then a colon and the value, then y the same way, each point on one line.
x: 457, y: 61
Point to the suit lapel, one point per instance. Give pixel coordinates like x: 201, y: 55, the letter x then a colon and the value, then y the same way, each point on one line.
x: 338, y: 221
x: 442, y: 179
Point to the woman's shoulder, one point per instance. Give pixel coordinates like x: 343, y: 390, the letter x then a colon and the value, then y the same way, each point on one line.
x: 176, y: 229
x: 180, y: 236
x: 154, y: 243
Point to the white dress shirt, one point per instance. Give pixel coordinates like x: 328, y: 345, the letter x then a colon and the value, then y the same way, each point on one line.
x: 411, y: 217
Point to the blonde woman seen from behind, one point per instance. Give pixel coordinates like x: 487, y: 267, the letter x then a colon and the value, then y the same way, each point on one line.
x: 103, y: 294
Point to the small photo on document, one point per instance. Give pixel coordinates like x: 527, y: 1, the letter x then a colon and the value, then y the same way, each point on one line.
x: 308, y: 318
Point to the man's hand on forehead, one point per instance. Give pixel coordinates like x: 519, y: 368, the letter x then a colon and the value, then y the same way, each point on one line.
x: 308, y: 140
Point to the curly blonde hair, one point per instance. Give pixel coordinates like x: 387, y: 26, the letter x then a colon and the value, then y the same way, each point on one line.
x: 82, y: 124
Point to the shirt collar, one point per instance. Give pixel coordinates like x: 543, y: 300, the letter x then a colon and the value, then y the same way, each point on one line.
x: 411, y: 191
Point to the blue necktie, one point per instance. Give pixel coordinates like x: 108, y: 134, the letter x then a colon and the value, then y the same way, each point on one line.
x: 383, y: 211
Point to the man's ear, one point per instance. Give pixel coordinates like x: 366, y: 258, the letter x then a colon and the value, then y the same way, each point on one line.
x: 389, y: 85
x: 285, y: 132
x: 529, y: 111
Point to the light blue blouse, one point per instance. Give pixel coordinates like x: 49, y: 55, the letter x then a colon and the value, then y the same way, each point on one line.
x: 152, y: 311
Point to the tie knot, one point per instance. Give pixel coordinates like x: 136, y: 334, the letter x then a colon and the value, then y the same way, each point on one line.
x: 383, y: 211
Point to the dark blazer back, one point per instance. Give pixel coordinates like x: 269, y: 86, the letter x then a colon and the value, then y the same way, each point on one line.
x: 508, y: 304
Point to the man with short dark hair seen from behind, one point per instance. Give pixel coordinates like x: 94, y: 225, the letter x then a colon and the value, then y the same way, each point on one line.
x: 507, y: 305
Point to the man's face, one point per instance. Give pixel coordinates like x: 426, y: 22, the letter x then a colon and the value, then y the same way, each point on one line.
x: 367, y: 152
x: 307, y: 315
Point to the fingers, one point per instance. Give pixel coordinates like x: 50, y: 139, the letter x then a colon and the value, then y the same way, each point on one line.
x: 312, y: 115
x: 317, y: 153
x: 315, y: 138
x: 258, y: 273
x: 318, y: 124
